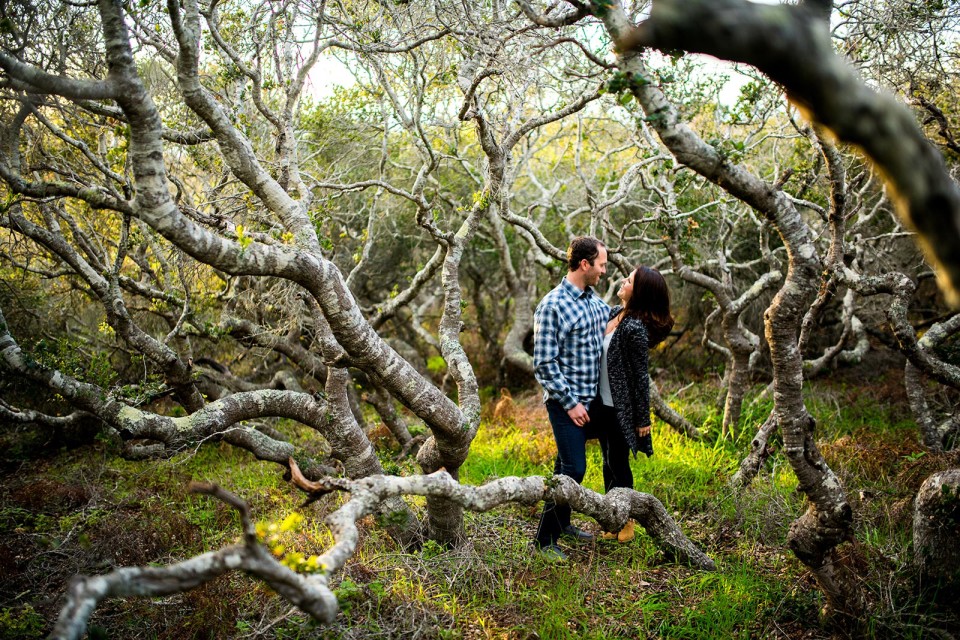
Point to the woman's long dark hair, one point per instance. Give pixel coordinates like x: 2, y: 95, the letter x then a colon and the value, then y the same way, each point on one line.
x: 650, y: 302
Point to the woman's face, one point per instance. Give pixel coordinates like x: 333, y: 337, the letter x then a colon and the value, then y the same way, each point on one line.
x: 626, y: 288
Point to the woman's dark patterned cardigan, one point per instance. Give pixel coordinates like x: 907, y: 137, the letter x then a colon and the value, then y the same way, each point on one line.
x: 627, y: 368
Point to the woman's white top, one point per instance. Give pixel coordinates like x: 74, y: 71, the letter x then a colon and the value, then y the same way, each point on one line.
x: 605, y: 394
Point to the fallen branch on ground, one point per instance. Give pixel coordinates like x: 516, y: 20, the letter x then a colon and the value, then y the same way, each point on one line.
x: 308, y: 592
x: 311, y: 593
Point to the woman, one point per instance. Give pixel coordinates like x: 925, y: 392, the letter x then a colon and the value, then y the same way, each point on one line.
x: 622, y: 408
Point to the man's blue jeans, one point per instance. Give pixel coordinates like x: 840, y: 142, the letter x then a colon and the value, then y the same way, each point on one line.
x: 571, y: 461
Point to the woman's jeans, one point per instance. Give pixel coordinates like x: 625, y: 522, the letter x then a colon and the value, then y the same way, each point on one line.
x: 616, y: 453
x: 571, y: 461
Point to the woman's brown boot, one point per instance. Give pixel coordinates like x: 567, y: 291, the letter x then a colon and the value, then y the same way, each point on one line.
x: 626, y: 534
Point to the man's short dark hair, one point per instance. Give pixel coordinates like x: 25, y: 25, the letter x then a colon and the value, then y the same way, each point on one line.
x: 582, y: 248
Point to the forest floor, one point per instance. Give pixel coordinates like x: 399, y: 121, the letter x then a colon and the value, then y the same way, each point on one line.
x: 84, y: 510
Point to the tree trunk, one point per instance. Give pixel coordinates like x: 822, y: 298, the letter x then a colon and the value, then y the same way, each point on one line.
x: 383, y: 403
x: 738, y: 381
x: 936, y: 530
x: 349, y: 441
x: 828, y: 521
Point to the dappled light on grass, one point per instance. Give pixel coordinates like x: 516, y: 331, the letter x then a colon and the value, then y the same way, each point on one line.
x: 629, y: 591
x: 493, y: 586
x: 505, y: 450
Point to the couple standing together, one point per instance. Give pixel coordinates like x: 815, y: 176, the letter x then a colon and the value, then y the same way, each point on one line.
x: 591, y: 361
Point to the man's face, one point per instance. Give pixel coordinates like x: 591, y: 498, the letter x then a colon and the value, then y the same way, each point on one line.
x: 597, y: 269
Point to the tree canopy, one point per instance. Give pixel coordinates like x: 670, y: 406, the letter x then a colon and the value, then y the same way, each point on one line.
x: 197, y: 247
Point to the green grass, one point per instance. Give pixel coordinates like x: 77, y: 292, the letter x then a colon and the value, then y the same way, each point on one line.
x: 599, y: 595
x: 492, y: 587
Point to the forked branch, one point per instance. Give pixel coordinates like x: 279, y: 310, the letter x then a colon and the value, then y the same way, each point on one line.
x: 311, y: 593
x: 308, y: 592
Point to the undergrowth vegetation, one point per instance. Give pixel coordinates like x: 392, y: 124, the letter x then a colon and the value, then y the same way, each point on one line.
x: 85, y: 511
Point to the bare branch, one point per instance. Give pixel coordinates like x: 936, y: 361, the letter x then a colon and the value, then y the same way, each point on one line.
x: 579, y: 10
x: 27, y: 416
x: 36, y: 80
x: 311, y: 592
x: 308, y: 592
x: 802, y: 59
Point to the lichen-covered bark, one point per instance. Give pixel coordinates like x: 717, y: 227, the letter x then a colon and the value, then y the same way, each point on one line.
x: 611, y: 510
x: 380, y: 399
x: 308, y: 592
x: 222, y: 418
x: 828, y: 521
x: 935, y: 431
x: 104, y: 285
x: 349, y: 443
x: 311, y: 593
x: 918, y: 351
x: 759, y: 452
x: 521, y: 283
x: 936, y: 529
x: 741, y: 343
x: 815, y: 536
x: 792, y: 45
x: 447, y: 450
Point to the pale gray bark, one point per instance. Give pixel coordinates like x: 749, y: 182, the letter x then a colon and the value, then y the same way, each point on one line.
x: 311, y: 593
x: 836, y: 217
x: 308, y: 592
x: 740, y: 345
x: 611, y: 510
x: 302, y: 263
x: 220, y: 419
x: 851, y: 324
x: 937, y: 430
x: 861, y: 343
x: 827, y: 523
x: 289, y: 345
x: 389, y: 309
x: 349, y: 442
x: 802, y: 59
x: 103, y: 283
x: 521, y: 282
x: 14, y: 415
x: 901, y: 290
x: 380, y: 399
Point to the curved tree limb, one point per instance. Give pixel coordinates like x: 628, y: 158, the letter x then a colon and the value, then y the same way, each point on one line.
x: 311, y: 593
x: 666, y: 413
x: 212, y: 420
x: 792, y: 45
x: 611, y: 510
x: 27, y: 416
x: 815, y: 536
x: 308, y: 592
x: 759, y: 452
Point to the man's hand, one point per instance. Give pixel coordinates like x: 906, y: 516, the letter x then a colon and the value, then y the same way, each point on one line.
x: 579, y: 415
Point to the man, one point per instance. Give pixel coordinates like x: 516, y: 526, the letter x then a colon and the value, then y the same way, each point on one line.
x: 567, y: 343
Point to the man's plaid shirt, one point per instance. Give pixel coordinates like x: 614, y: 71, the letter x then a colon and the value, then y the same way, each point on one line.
x: 567, y: 342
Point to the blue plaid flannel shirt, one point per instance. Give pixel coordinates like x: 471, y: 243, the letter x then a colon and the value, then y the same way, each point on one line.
x: 567, y: 342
